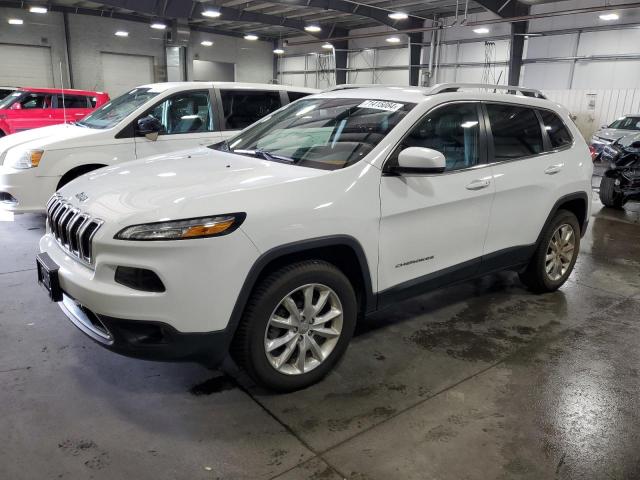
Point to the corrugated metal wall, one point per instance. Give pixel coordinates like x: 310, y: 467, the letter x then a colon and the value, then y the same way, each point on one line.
x: 594, y: 108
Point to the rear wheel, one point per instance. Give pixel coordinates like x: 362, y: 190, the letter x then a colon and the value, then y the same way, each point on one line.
x: 608, y: 195
x: 555, y: 256
x: 297, y: 324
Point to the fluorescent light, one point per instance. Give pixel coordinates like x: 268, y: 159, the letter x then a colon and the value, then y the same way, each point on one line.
x: 38, y: 10
x: 327, y: 46
x: 398, y: 16
x: 609, y: 16
x: 158, y: 26
x: 16, y: 21
x: 313, y: 28
x: 206, y: 43
x: 481, y: 30
x: 211, y: 13
x: 278, y: 51
x: 251, y: 36
x: 121, y: 33
x: 393, y: 39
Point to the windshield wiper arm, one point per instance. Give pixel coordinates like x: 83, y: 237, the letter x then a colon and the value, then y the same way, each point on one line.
x: 265, y: 155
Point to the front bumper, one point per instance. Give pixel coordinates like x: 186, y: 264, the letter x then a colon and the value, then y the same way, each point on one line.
x: 190, y: 320
x: 22, y: 191
x: 146, y: 339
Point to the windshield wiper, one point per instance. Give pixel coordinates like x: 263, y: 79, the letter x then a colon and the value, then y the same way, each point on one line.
x: 265, y: 155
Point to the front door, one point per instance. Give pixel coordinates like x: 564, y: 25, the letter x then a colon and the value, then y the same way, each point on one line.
x: 188, y: 122
x: 434, y: 226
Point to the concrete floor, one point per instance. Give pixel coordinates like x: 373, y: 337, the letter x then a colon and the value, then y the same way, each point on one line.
x: 481, y: 380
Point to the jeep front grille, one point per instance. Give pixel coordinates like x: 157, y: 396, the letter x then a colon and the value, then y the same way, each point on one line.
x: 72, y: 229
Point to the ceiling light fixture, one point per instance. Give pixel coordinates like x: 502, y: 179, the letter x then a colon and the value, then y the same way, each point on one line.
x: 16, y: 21
x: 38, y: 10
x: 278, y: 51
x: 121, y: 33
x: 158, y: 26
x: 481, y: 30
x: 206, y: 43
x: 398, y: 16
x: 313, y: 28
x: 609, y: 17
x: 327, y: 46
x: 251, y: 36
x: 211, y: 13
x: 393, y: 39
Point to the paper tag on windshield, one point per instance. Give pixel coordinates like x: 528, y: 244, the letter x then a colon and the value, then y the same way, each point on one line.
x: 381, y: 105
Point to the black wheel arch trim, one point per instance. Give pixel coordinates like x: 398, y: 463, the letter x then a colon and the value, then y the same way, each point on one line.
x: 561, y: 201
x: 300, y: 247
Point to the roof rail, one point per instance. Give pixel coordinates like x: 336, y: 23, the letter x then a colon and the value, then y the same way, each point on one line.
x: 348, y: 86
x: 513, y: 90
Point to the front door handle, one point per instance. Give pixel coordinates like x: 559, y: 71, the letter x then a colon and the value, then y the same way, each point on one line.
x: 479, y: 184
x: 553, y: 169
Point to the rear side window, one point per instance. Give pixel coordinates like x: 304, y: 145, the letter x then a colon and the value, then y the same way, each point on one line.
x: 72, y: 101
x: 241, y: 108
x: 516, y: 132
x: 293, y: 96
x: 557, y: 131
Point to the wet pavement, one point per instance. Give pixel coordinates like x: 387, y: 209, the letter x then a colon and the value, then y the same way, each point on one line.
x: 481, y: 380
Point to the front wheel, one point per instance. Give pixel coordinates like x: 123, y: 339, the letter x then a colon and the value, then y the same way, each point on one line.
x: 608, y: 195
x: 296, y: 326
x: 555, y: 255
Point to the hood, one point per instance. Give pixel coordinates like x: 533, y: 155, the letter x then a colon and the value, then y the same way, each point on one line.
x: 51, y: 138
x: 185, y: 184
x: 627, y: 140
x: 613, y: 134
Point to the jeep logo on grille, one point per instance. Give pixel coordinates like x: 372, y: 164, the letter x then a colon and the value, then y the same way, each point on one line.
x: 82, y: 196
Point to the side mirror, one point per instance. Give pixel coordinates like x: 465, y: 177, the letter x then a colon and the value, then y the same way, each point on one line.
x: 150, y: 127
x: 16, y: 106
x: 419, y: 160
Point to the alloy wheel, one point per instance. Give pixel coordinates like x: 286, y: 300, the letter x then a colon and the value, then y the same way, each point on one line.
x: 560, y: 252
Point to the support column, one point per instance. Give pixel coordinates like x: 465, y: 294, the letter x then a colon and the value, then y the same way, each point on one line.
x: 415, y: 58
x: 341, y: 52
x: 518, y: 30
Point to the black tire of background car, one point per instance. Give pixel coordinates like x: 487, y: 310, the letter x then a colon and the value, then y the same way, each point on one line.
x: 534, y: 276
x: 248, y: 348
x: 608, y: 195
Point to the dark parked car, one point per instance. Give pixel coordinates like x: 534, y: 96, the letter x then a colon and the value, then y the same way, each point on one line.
x: 621, y: 182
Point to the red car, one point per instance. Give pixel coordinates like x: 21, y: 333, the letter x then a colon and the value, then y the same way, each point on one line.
x: 27, y: 108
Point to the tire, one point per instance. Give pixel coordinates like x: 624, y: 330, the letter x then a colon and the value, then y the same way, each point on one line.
x: 536, y: 276
x: 265, y: 312
x: 608, y: 195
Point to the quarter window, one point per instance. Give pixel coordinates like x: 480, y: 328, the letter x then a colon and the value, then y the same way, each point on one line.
x: 187, y: 112
x: 516, y: 132
x: 453, y: 130
x: 241, y: 108
x: 559, y: 135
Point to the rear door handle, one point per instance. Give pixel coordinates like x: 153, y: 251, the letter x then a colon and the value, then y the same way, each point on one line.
x: 479, y: 184
x: 553, y: 169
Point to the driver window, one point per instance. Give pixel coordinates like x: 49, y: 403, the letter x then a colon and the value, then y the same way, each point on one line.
x: 187, y: 112
x: 36, y: 100
x: 453, y: 130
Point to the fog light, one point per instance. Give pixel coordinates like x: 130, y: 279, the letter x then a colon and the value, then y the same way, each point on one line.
x: 139, y: 279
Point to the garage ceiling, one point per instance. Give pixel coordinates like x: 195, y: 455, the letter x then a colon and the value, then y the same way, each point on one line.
x: 284, y: 18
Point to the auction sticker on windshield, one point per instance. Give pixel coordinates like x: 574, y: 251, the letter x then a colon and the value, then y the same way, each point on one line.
x: 381, y: 105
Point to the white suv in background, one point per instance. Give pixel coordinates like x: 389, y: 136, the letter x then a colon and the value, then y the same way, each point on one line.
x: 149, y: 120
x: 273, y: 243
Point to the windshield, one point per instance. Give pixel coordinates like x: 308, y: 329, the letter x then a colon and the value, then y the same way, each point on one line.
x: 325, y: 133
x: 626, y: 123
x: 110, y: 114
x: 10, y: 99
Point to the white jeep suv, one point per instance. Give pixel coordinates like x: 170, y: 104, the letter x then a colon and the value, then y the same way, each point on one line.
x: 271, y: 245
x: 149, y: 120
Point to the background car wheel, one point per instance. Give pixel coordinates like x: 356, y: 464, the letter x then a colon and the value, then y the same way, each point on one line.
x: 555, y: 256
x: 608, y: 196
x: 296, y: 326
x: 75, y: 173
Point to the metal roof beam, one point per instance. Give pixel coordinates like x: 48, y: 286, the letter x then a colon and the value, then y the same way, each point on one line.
x: 505, y: 8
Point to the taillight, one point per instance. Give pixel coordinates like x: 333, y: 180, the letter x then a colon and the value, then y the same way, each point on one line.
x: 593, y: 152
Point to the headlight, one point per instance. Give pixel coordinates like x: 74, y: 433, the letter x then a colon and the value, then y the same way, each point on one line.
x: 17, y: 158
x: 201, y: 227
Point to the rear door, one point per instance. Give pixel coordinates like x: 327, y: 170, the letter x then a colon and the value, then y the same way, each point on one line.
x: 188, y: 122
x: 242, y: 107
x: 529, y: 173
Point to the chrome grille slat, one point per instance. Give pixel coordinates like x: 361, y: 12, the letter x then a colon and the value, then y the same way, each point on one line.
x: 72, y: 229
